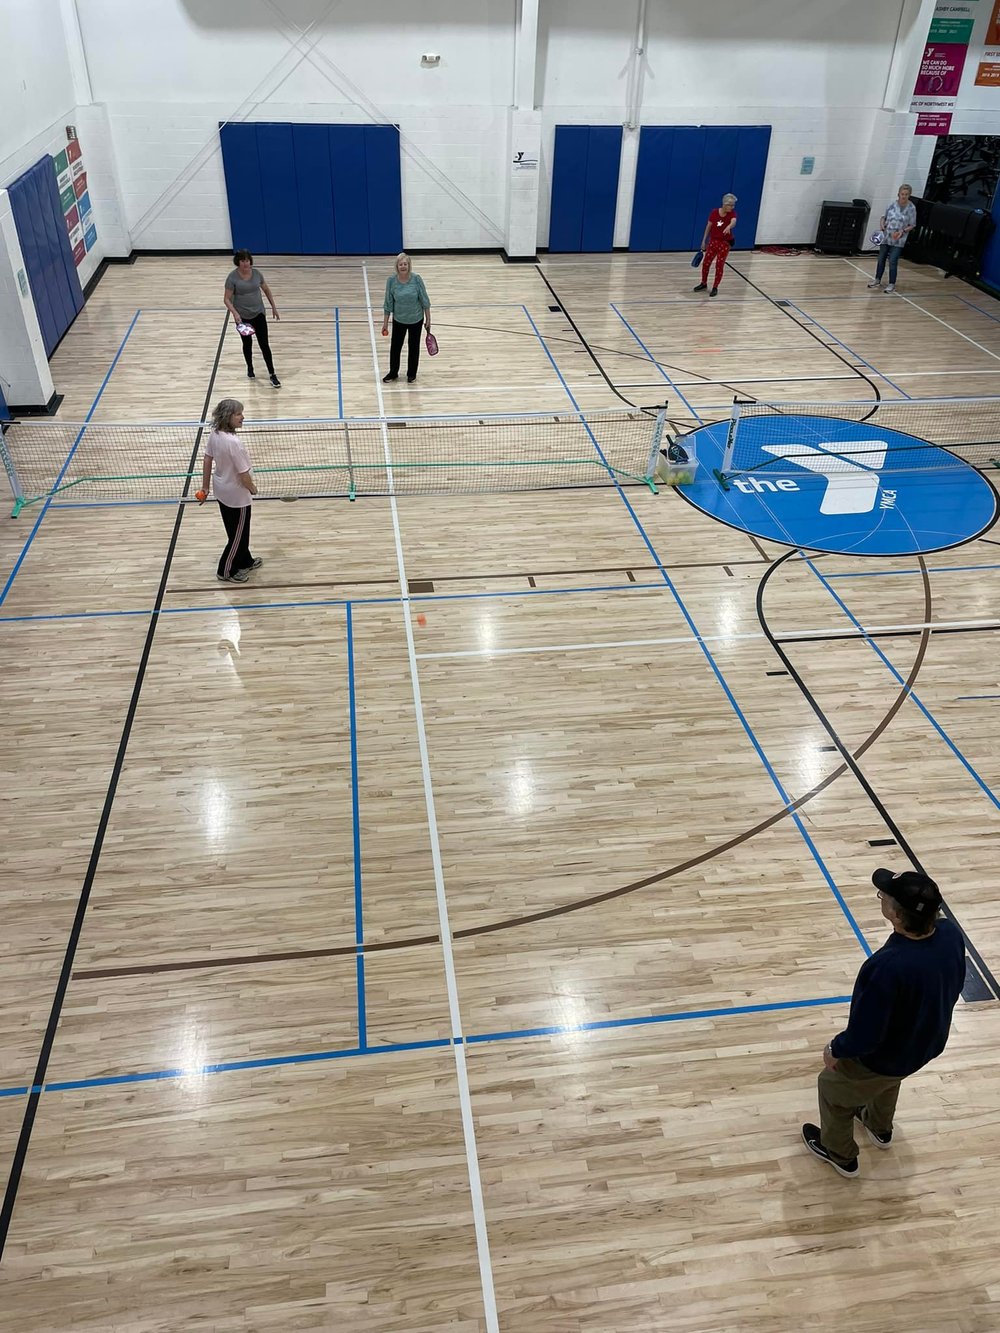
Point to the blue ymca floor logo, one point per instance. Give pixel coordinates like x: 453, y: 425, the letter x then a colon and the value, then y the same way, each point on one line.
x: 840, y: 486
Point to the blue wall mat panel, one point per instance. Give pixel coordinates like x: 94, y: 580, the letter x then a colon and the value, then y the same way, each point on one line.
x: 244, y: 189
x: 385, y: 199
x: 718, y: 164
x: 4, y: 414
x: 48, y: 255
x: 585, y: 169
x: 350, y: 188
x: 990, y: 273
x: 748, y: 180
x: 569, y: 175
x: 313, y: 189
x: 655, y: 147
x: 280, y: 189
x: 681, y: 175
x: 600, y: 198
x: 682, y: 222
x: 311, y: 150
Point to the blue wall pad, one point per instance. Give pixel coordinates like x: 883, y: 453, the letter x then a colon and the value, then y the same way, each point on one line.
x: 313, y: 189
x: 48, y: 255
x: 681, y: 175
x: 584, y: 187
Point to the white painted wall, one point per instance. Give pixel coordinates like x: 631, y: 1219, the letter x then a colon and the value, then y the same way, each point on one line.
x: 37, y: 86
x: 309, y: 61
x: 163, y: 75
x: 816, y: 73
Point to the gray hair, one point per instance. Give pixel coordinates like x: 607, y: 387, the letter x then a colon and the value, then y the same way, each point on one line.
x: 729, y: 199
x: 225, y: 410
x: 403, y: 255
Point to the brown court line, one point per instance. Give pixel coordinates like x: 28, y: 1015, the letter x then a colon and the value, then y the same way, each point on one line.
x: 469, y: 932
x: 508, y: 574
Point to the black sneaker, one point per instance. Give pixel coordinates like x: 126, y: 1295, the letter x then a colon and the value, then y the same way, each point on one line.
x: 251, y: 375
x: 239, y: 576
x: 275, y: 381
x: 714, y: 291
x: 388, y: 379
x: 702, y: 287
x: 880, y: 1140
x: 410, y: 379
x: 810, y: 1137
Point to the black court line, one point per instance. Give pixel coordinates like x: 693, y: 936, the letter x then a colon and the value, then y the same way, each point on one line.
x: 981, y: 983
x: 850, y: 636
x: 55, y: 1013
x: 778, y: 305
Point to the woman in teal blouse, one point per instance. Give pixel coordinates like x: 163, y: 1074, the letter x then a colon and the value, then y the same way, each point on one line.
x: 407, y: 302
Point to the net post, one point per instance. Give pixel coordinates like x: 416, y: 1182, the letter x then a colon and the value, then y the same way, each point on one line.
x: 730, y: 446
x: 659, y: 425
x: 12, y: 478
x: 352, y: 492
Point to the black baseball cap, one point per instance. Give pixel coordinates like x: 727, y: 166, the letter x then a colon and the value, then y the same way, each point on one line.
x: 912, y: 890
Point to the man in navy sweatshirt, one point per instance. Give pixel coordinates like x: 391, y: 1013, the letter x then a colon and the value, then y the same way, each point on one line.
x: 900, y: 1016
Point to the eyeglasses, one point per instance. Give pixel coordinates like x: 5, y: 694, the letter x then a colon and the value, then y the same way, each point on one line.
x: 878, y: 894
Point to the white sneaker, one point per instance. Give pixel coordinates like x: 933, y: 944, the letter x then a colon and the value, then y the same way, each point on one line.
x: 876, y: 283
x: 891, y: 288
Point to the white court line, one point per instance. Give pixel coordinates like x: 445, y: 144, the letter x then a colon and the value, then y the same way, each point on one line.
x: 907, y: 299
x: 444, y: 924
x: 785, y: 636
x: 937, y: 320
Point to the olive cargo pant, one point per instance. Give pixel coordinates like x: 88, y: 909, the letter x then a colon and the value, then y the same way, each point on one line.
x: 850, y: 1089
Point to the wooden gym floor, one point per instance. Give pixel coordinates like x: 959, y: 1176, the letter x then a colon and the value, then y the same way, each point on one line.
x: 367, y: 961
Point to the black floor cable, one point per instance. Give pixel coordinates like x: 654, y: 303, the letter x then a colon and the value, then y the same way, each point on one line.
x: 981, y: 984
x: 55, y: 1013
x: 805, y: 329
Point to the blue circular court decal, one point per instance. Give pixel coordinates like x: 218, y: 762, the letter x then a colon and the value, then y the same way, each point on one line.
x: 849, y: 487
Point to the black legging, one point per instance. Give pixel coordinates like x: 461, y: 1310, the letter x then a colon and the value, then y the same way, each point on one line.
x: 236, y: 555
x: 259, y: 325
x: 399, y: 332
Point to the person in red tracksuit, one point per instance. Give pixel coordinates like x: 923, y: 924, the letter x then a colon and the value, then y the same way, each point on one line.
x: 717, y: 241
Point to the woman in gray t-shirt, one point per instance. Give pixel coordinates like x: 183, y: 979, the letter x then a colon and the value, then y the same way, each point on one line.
x: 244, y: 301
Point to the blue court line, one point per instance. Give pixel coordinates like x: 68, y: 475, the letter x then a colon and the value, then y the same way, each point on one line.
x: 977, y: 696
x: 69, y: 458
x: 972, y: 306
x: 912, y: 695
x: 716, y: 670
x: 656, y: 363
x: 857, y: 355
x: 359, y: 929
x: 112, y: 504
x: 437, y: 1043
x: 335, y: 601
x: 340, y: 379
x: 889, y: 573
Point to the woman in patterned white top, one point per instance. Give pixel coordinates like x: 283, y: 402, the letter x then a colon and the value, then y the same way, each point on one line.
x: 897, y: 220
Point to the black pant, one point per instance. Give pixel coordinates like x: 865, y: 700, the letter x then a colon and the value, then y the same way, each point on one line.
x: 399, y: 332
x: 237, y: 555
x: 259, y: 324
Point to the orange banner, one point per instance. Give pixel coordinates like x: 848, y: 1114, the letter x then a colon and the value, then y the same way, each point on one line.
x: 988, y: 74
x: 993, y: 31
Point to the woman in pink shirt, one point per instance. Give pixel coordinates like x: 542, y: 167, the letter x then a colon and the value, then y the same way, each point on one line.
x: 234, y: 489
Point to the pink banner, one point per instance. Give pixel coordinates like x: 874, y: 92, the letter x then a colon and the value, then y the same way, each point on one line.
x: 940, y: 70
x: 933, y: 122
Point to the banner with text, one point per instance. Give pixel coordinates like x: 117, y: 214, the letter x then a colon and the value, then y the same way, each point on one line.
x: 936, y: 90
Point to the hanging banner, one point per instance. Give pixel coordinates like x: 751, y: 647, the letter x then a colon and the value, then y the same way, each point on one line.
x: 71, y: 177
x: 936, y: 89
